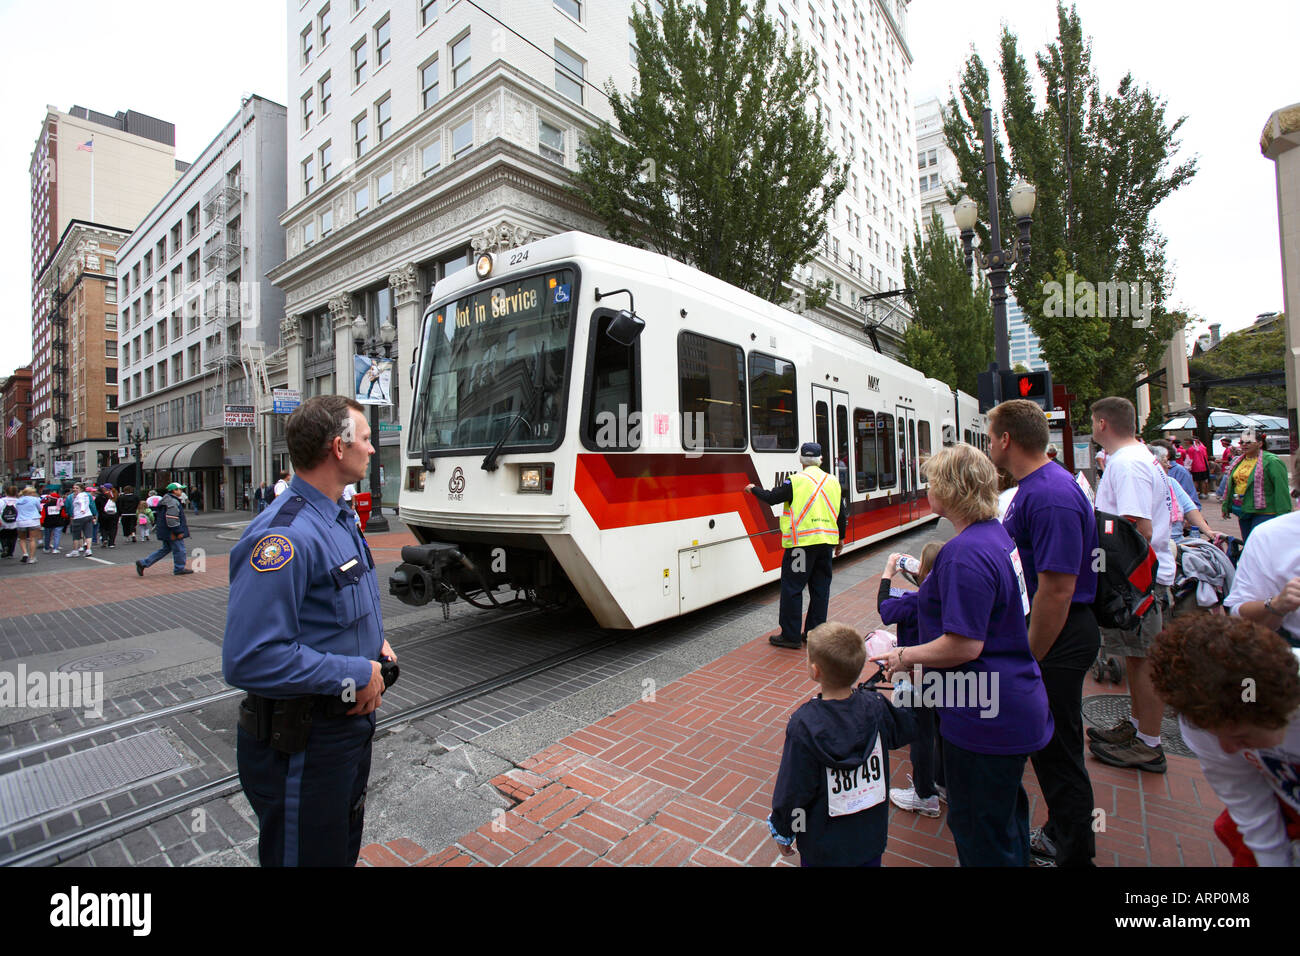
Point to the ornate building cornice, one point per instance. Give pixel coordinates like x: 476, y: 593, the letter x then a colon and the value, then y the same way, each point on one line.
x: 404, y: 284
x: 504, y: 235
x: 290, y: 329
x: 341, y: 311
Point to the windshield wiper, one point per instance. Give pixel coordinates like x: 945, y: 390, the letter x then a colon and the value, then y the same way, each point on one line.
x: 490, y: 461
x: 539, y: 382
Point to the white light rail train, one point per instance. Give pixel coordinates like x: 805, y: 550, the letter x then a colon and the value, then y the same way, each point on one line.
x: 586, y: 415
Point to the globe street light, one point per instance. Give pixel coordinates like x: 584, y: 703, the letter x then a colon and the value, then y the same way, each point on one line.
x: 374, y: 347
x: 998, y: 261
x: 136, y: 438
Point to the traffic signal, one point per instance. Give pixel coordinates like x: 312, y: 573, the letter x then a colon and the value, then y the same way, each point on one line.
x: 1033, y: 386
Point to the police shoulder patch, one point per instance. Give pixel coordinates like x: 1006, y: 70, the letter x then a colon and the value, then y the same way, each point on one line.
x: 271, y: 553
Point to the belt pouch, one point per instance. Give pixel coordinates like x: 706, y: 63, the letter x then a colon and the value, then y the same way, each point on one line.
x: 291, y: 725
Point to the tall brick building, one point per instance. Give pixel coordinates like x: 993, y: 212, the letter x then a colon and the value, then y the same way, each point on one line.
x: 78, y: 288
x: 15, y: 400
x: 96, y: 168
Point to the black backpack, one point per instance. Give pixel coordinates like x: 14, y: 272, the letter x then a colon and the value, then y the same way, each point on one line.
x: 10, y: 513
x: 1126, y: 580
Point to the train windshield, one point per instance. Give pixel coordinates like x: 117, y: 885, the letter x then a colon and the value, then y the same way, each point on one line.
x: 494, y: 365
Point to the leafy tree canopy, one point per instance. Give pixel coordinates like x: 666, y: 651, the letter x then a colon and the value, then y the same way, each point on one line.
x: 717, y: 160
x: 1101, y: 163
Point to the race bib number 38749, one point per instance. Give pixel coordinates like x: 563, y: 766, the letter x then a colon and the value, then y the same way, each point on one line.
x: 857, y: 788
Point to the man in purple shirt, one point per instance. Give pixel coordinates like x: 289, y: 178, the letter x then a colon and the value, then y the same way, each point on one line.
x: 1055, y: 531
x: 979, y: 671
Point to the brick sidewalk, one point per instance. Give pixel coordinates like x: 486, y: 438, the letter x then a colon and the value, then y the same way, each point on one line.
x: 86, y: 586
x: 687, y: 780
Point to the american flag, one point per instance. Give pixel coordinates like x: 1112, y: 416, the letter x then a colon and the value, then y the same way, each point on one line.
x: 88, y: 145
x: 14, y: 425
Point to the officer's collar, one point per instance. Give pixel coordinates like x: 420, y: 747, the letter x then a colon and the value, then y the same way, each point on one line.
x: 329, y: 510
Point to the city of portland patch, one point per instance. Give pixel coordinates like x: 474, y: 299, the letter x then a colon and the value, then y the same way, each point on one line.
x: 271, y: 553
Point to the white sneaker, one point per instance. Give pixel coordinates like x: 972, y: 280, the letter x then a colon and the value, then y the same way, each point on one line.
x: 941, y: 791
x: 72, y: 554
x: 908, y: 800
x: 88, y: 552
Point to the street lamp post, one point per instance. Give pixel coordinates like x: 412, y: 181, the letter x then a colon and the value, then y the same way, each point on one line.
x: 136, y: 438
x: 998, y: 261
x: 374, y: 347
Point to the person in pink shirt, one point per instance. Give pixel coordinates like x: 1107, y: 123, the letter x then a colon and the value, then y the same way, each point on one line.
x: 1198, y: 463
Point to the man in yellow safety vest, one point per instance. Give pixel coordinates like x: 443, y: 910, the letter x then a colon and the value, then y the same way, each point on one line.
x: 813, y: 527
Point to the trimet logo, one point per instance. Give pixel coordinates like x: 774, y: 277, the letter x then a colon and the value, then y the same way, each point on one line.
x: 456, y: 486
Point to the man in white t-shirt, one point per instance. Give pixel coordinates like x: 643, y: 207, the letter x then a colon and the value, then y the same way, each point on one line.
x: 1134, y: 486
x: 82, y: 512
x: 282, y: 485
x: 1266, y: 588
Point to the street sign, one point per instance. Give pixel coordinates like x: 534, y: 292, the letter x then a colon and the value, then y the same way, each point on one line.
x: 390, y: 426
x: 1056, y: 416
x: 286, y: 399
x: 240, y: 416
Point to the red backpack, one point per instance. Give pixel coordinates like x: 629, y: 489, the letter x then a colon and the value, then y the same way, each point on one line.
x: 1126, y: 580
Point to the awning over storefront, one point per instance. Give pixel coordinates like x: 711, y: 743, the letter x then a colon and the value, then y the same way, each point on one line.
x: 117, y: 475
x: 202, y: 451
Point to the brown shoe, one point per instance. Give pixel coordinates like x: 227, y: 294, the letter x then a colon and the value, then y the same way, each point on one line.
x: 1134, y: 754
x: 1121, y: 733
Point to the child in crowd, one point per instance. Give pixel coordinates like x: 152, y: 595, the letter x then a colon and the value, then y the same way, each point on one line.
x: 899, y: 607
x: 144, y: 519
x: 830, y: 790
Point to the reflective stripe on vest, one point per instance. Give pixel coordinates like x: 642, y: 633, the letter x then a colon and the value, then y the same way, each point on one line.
x: 816, y: 500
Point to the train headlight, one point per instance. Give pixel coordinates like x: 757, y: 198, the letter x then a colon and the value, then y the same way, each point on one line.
x: 536, y: 479
x: 415, y: 478
x: 483, y: 267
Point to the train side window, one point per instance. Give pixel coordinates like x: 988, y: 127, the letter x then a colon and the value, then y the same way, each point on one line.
x: 864, y: 439
x: 773, y: 411
x: 822, y: 427
x: 711, y: 383
x: 911, y: 450
x: 612, y: 410
x: 865, y: 450
x: 842, y: 446
x: 888, y: 456
x: 923, y: 432
x: 949, y: 436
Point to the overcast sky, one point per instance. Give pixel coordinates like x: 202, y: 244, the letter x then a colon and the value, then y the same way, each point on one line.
x: 189, y: 63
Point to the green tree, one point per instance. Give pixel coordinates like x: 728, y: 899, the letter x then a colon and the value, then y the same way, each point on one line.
x: 716, y: 161
x: 1101, y: 163
x: 1242, y: 353
x: 951, y: 334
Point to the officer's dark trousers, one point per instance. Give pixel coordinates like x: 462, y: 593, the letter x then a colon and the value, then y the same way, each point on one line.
x: 805, y: 566
x: 1060, y: 767
x: 310, y: 806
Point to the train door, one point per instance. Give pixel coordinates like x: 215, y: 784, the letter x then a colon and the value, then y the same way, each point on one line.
x: 907, y: 464
x: 831, y: 425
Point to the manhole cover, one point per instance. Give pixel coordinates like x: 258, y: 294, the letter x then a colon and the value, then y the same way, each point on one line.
x: 1107, y: 710
x: 66, y: 781
x: 110, y: 660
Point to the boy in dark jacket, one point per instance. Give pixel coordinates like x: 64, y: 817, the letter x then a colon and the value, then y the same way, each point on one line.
x: 831, y: 788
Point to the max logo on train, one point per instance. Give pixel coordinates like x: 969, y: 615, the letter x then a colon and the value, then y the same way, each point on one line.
x: 456, y: 486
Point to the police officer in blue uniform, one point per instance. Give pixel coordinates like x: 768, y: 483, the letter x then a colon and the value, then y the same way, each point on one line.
x: 304, y: 636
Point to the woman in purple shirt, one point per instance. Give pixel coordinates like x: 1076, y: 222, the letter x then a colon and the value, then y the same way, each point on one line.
x: 977, y: 666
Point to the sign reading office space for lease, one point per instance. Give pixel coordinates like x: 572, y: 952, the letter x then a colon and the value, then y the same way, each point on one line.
x: 241, y: 416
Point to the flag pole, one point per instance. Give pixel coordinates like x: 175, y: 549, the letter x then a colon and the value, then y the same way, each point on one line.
x: 92, y: 179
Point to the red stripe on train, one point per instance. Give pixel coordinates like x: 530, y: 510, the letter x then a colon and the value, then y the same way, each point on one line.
x: 623, y: 491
